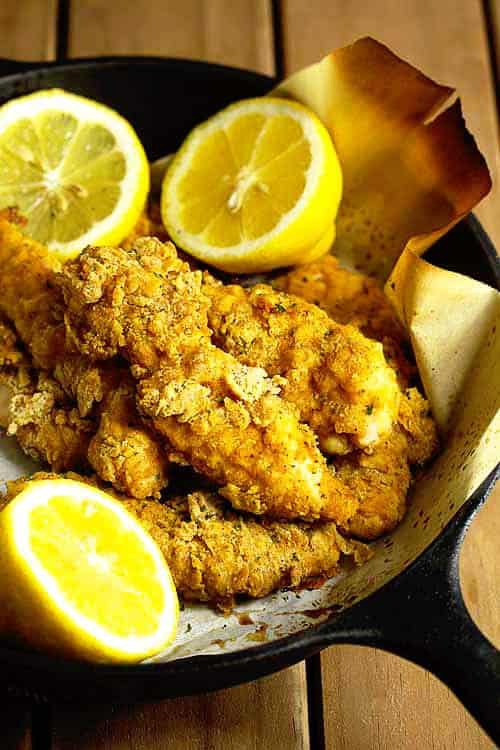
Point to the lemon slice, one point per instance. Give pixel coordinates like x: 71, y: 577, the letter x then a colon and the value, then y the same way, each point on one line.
x: 81, y: 577
x: 75, y: 168
x: 253, y: 187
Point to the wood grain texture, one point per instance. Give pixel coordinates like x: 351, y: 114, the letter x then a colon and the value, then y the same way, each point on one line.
x: 272, y: 712
x: 492, y: 8
x: 237, y: 33
x: 27, y: 29
x: 373, y: 700
x: 267, y: 713
x: 377, y: 701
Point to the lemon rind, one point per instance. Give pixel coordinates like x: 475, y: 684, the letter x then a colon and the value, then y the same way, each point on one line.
x: 230, y: 257
x: 134, y: 187
x: 96, y: 637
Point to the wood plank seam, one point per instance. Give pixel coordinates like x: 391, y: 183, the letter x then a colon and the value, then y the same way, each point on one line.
x: 62, y: 29
x: 315, y: 704
x: 278, y: 38
x: 491, y: 15
x: 41, y: 727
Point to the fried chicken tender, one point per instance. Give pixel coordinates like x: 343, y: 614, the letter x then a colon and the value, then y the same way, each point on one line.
x: 380, y: 477
x: 122, y: 452
x: 381, y: 481
x: 224, y: 418
x: 35, y: 409
x: 416, y: 422
x: 216, y: 554
x: 337, y: 378
x: 354, y: 298
x: 30, y: 300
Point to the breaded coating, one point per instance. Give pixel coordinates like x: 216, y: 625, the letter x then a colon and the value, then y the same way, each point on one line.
x: 26, y: 297
x: 381, y: 478
x: 337, y: 378
x: 351, y: 297
x: 36, y: 411
x: 225, y: 418
x: 11, y: 355
x: 416, y: 422
x: 122, y: 452
x: 216, y: 554
x: 48, y: 428
x: 30, y: 300
x: 381, y: 481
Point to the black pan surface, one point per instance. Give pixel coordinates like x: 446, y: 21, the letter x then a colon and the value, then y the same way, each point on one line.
x: 419, y: 614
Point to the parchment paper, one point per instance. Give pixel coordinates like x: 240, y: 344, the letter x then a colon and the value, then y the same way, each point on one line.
x: 411, y: 171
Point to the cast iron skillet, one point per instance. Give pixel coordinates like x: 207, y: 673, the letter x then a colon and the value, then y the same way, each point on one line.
x: 420, y: 613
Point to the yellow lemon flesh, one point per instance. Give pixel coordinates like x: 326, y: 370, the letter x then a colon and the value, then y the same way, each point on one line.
x: 73, y: 167
x: 80, y: 576
x: 255, y: 187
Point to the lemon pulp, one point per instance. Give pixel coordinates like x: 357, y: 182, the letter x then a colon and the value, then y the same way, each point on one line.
x: 74, y: 168
x: 81, y: 577
x: 255, y: 187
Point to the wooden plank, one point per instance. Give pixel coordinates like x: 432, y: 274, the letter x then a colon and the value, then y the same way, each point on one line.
x: 27, y: 32
x: 373, y: 700
x: 27, y: 29
x: 377, y: 701
x: 492, y: 15
x: 271, y: 712
x: 237, y: 33
x: 268, y: 713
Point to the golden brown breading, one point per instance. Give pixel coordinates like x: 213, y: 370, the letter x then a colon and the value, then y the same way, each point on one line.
x: 380, y: 477
x: 215, y: 554
x: 416, y: 421
x: 351, y: 297
x: 36, y: 411
x: 122, y: 453
x: 30, y: 300
x: 381, y: 481
x: 47, y: 426
x: 226, y: 419
x: 337, y: 378
x: 11, y: 355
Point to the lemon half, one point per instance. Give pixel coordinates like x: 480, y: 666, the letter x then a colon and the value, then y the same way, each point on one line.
x: 81, y: 577
x: 255, y: 187
x: 73, y: 167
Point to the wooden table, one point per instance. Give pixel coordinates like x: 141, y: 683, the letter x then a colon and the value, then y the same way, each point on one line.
x: 349, y: 698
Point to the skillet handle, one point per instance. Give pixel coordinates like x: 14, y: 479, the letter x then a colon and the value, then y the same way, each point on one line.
x: 421, y: 615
